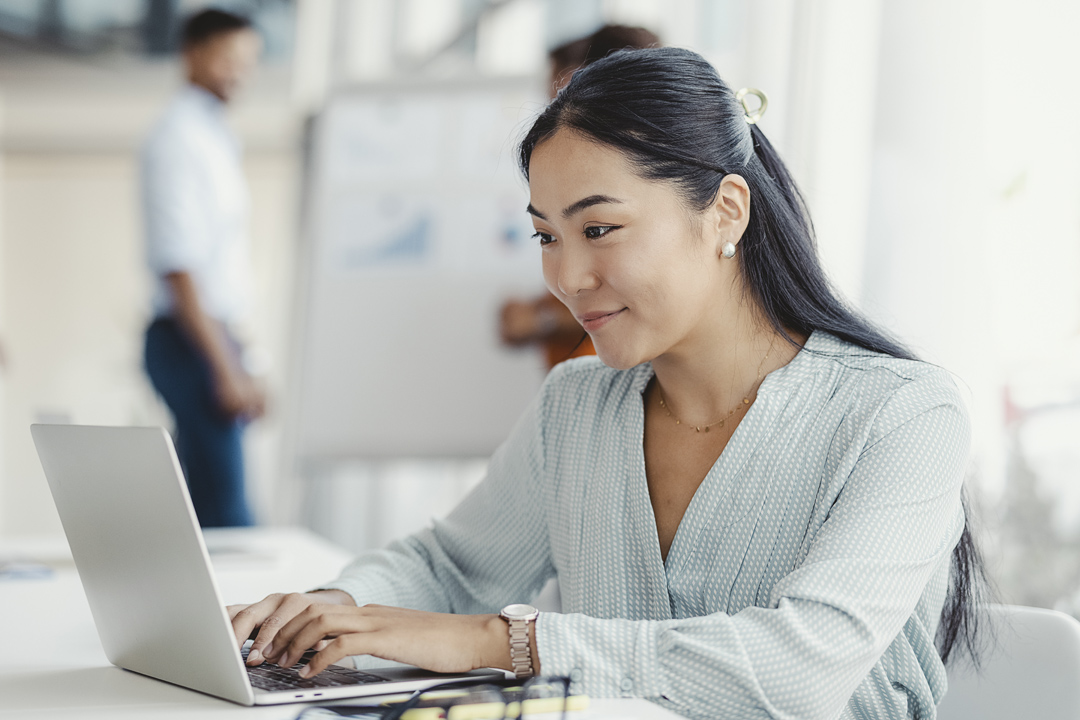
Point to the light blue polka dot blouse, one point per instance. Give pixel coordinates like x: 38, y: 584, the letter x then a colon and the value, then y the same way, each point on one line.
x: 807, y: 576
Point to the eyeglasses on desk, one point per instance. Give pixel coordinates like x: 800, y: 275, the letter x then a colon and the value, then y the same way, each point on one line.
x: 539, y: 698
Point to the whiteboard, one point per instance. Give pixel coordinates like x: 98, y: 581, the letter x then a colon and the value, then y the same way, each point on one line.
x: 416, y: 233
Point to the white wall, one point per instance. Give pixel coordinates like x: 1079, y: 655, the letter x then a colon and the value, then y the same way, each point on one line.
x: 974, y: 243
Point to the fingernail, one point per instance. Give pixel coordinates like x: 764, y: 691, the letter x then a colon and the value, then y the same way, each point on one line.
x: 304, y: 671
x: 255, y: 656
x: 268, y: 651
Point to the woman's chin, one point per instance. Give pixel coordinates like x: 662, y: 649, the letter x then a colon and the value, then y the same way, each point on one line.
x: 617, y: 358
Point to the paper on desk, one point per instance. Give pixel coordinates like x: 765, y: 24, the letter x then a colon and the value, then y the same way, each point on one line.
x: 24, y: 570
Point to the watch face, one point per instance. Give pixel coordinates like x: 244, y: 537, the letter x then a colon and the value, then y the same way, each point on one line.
x: 519, y: 611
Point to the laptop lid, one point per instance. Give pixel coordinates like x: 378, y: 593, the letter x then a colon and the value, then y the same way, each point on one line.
x: 146, y: 572
x: 141, y: 558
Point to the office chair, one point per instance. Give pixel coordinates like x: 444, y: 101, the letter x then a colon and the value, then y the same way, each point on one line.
x: 1032, y: 670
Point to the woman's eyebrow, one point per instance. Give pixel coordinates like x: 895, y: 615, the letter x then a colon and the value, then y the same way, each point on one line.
x: 588, y: 202
x: 578, y: 206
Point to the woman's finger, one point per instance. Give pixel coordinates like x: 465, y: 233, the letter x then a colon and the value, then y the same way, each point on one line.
x: 279, y: 651
x: 335, y: 650
x: 286, y: 608
x: 234, y: 609
x: 316, y: 624
x: 248, y: 617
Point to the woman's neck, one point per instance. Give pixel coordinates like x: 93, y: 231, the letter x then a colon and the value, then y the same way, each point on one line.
x: 708, y: 374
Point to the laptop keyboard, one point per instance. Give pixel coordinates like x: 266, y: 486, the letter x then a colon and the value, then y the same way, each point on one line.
x: 271, y: 677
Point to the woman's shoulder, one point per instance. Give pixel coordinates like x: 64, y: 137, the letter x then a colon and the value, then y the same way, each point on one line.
x: 897, y: 388
x: 860, y: 362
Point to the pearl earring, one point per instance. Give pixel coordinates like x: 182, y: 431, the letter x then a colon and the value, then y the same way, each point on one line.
x: 728, y: 250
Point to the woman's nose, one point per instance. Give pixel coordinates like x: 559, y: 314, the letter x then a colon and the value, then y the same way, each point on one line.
x: 575, y: 272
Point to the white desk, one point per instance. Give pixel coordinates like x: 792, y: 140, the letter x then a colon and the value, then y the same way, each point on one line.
x: 52, y: 664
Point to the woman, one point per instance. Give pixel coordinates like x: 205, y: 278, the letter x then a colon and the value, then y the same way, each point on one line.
x: 752, y: 500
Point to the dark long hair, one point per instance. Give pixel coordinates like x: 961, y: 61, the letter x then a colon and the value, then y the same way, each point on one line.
x: 673, y: 117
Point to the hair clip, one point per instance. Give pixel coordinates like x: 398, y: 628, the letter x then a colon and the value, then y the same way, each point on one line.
x: 752, y: 116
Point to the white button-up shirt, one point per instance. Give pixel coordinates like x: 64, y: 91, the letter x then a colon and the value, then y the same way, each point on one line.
x: 195, y: 205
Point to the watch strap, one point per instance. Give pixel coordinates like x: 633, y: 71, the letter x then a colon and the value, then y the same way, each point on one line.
x: 520, y: 651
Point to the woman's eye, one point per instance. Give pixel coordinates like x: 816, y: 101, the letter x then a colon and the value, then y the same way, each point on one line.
x: 594, y: 232
x: 543, y: 237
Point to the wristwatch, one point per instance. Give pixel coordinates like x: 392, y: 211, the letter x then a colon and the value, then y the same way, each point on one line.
x: 519, y: 617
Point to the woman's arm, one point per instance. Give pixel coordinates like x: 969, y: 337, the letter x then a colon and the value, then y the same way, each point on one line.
x: 889, y: 533
x: 490, y: 551
x: 440, y: 642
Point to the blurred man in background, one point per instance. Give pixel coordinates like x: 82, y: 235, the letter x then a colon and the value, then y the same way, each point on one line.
x: 195, y: 205
x: 544, y: 321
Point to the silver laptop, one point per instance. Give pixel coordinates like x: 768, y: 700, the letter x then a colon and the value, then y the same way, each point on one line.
x: 147, y: 575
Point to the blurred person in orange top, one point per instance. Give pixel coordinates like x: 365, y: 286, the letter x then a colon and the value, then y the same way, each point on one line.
x: 544, y: 321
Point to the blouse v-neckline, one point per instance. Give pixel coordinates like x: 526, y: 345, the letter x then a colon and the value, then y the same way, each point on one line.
x: 719, y: 481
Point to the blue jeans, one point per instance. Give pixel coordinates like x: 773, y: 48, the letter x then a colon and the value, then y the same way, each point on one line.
x: 208, y: 443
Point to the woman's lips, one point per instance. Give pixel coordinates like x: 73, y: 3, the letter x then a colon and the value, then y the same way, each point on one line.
x: 596, y: 320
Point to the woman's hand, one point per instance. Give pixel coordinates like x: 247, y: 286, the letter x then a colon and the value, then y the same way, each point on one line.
x: 273, y: 613
x: 434, y: 641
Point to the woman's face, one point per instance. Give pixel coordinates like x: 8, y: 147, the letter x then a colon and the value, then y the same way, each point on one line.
x: 641, y: 272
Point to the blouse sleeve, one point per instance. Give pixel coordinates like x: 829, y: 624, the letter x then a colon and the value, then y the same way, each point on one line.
x: 829, y: 621
x: 491, y: 550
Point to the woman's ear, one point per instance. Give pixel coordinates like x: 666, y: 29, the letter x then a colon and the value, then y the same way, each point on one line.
x: 731, y: 209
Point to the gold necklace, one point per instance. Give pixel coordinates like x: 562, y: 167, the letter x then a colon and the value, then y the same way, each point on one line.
x: 741, y: 406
